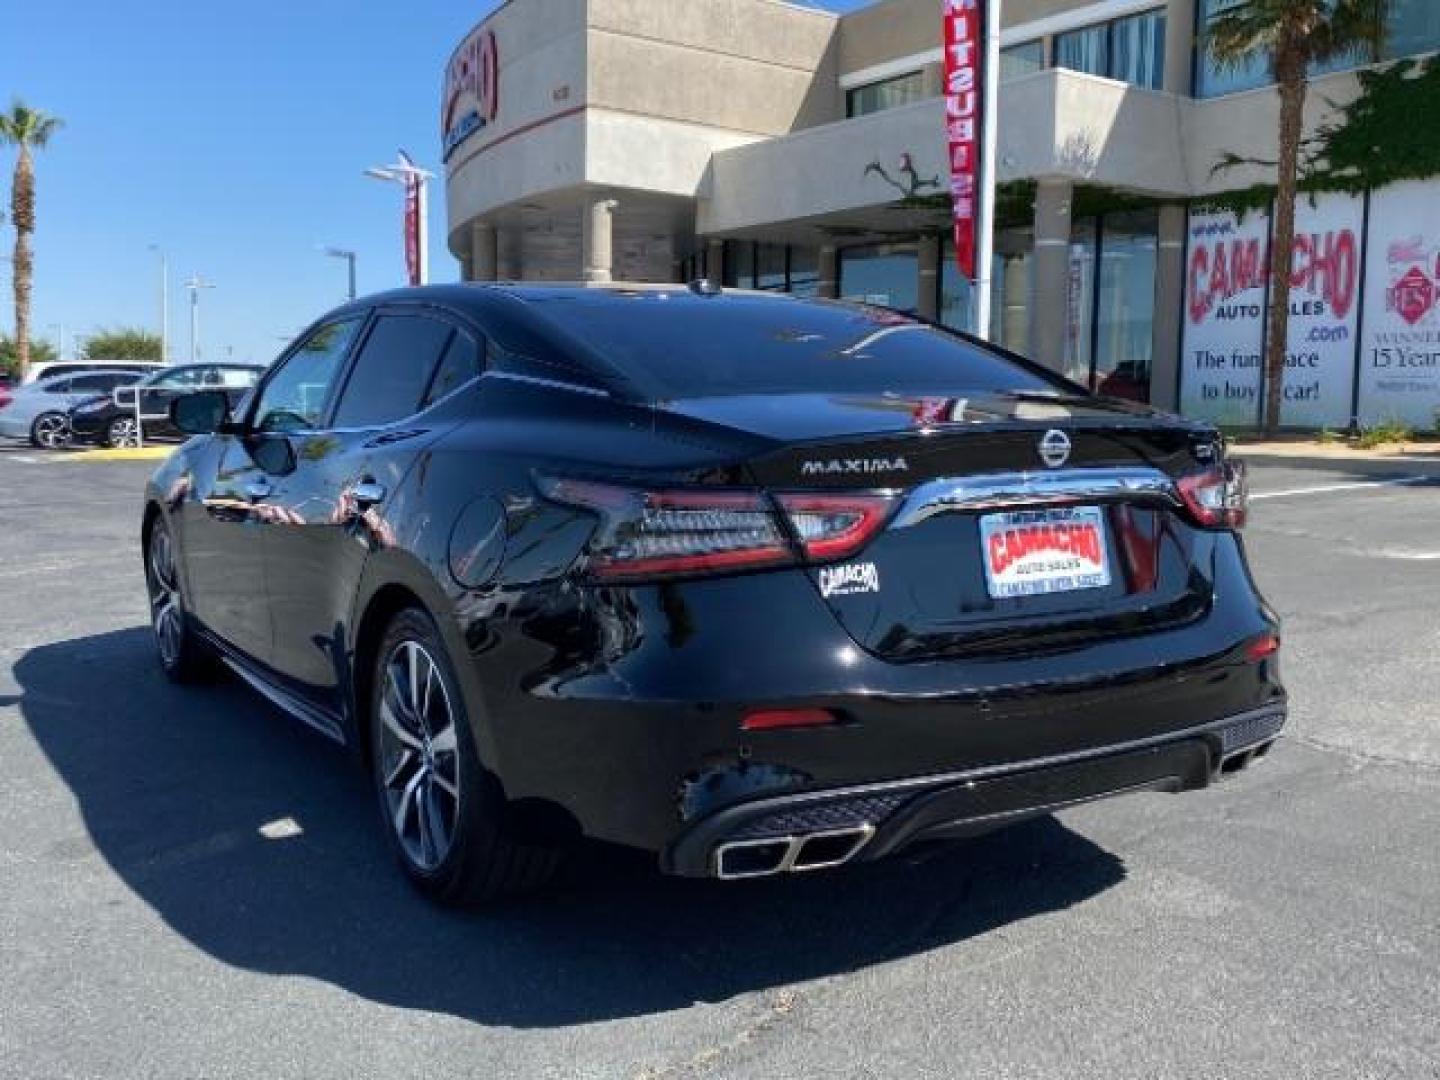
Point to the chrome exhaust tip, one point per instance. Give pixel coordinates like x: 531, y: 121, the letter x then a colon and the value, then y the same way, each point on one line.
x: 739, y: 859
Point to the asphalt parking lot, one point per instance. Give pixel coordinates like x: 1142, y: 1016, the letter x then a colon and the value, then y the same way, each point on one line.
x: 1285, y: 924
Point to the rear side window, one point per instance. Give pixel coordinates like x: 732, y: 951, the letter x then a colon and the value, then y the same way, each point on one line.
x: 675, y: 345
x: 99, y: 382
x: 392, y: 371
x: 459, y: 365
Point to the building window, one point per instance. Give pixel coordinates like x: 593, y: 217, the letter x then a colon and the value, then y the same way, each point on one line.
x: 804, y: 271
x: 1022, y: 59
x: 1414, y: 28
x: 1110, y: 303
x: 887, y: 94
x: 1131, y: 50
x: 887, y: 274
x: 739, y: 264
x: 1085, y: 50
x: 770, y: 267
x: 1009, y: 289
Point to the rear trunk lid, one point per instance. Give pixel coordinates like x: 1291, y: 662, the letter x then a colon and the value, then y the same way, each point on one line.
x: 1024, y: 521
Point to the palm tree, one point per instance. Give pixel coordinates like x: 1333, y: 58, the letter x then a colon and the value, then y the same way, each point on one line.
x: 24, y: 127
x: 1292, y: 35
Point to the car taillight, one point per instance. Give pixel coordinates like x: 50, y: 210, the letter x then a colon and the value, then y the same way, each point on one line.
x: 1218, y: 497
x: 650, y: 534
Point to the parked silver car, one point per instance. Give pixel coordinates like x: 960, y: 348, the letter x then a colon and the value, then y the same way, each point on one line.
x: 39, y: 411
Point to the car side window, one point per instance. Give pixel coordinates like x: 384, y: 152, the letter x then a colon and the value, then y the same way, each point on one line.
x: 59, y: 386
x: 96, y: 382
x: 392, y: 370
x: 462, y: 361
x: 294, y: 399
x: 177, y: 380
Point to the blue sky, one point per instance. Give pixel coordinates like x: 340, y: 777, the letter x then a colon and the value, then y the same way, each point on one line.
x: 233, y: 136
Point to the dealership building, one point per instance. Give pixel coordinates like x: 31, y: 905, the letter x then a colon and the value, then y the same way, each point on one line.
x: 781, y: 146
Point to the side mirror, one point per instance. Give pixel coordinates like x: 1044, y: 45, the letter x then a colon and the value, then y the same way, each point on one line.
x: 200, y: 413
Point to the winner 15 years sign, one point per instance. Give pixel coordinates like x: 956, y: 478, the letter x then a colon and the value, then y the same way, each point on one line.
x: 1400, y: 347
x: 1225, y: 315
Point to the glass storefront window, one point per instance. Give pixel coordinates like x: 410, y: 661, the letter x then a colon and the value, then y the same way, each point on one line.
x: 804, y: 271
x: 887, y: 274
x: 886, y: 94
x: 770, y: 267
x: 1022, y: 59
x: 739, y: 264
x: 1085, y: 50
x: 1009, y: 290
x: 1125, y: 311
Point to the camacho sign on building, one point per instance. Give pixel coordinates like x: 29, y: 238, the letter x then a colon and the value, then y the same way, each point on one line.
x: 472, y: 89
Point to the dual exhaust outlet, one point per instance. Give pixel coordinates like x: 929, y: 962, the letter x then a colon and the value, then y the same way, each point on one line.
x: 820, y: 850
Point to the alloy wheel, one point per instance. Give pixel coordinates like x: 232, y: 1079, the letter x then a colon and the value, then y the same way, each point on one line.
x: 52, y: 431
x: 165, y: 612
x: 124, y: 432
x: 419, y: 755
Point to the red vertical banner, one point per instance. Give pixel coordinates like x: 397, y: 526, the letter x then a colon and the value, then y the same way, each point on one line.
x: 412, y: 227
x: 963, y: 52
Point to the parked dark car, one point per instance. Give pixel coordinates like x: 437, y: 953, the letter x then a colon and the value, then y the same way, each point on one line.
x: 681, y: 569
x: 111, y: 418
x: 39, y: 411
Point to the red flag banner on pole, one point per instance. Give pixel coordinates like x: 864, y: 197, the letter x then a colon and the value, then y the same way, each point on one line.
x: 963, y: 54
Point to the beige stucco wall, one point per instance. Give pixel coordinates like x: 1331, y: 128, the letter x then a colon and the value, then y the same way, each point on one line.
x: 753, y: 66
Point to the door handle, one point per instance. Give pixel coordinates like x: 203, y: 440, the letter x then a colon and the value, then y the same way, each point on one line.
x: 367, y: 493
x: 257, y: 490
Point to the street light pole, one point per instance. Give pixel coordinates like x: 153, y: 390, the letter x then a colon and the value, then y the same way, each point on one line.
x: 349, y: 257
x: 164, y: 303
x: 194, y: 285
x: 59, y: 329
x: 413, y: 178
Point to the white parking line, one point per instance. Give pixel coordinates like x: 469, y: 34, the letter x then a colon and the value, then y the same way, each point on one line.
x: 1325, y: 489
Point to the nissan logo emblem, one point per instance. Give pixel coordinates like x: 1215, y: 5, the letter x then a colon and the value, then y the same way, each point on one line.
x: 1055, y: 448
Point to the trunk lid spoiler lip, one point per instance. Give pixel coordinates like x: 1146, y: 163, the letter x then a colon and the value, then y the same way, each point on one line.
x: 1025, y: 490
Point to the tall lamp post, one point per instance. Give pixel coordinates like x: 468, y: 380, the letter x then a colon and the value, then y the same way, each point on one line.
x: 416, y: 181
x: 164, y: 302
x: 349, y: 257
x: 194, y: 285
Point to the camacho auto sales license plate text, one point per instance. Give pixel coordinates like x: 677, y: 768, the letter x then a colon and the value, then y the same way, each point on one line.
x: 1033, y: 552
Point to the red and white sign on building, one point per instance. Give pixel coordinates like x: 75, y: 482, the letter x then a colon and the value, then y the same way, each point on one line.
x: 413, y: 212
x: 964, y: 49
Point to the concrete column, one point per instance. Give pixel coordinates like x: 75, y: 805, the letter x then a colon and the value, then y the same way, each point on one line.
x: 928, y: 304
x: 715, y: 262
x: 1015, y: 304
x: 829, y: 281
x: 507, y: 255
x: 467, y: 272
x: 1169, y: 307
x: 597, y: 238
x: 1179, y: 46
x: 484, y: 251
x: 1049, y: 284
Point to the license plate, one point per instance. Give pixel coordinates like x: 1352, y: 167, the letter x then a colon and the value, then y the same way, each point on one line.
x: 1035, y: 552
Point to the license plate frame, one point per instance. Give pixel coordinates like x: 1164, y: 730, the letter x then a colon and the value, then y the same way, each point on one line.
x: 1044, y: 551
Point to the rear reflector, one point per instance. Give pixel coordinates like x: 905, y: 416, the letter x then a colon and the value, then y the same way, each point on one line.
x: 1261, y: 647
x: 657, y: 534
x: 770, y: 719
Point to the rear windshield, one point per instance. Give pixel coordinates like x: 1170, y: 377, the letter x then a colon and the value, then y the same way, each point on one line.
x: 678, y: 345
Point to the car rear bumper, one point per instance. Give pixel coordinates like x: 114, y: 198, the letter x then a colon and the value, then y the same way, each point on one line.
x: 825, y: 828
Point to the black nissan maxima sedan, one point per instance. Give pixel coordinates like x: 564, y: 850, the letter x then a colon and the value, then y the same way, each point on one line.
x: 756, y: 583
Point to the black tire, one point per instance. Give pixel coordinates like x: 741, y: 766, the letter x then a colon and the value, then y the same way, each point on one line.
x: 183, y: 657
x: 429, y: 780
x: 50, y: 431
x: 121, y: 432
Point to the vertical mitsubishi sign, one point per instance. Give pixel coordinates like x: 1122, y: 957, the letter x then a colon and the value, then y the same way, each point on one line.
x: 963, y: 52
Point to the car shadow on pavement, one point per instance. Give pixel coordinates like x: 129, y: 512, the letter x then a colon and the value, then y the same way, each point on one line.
x: 175, y: 785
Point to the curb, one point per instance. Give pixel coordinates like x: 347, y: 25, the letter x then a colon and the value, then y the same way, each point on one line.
x: 136, y: 453
x: 1377, y: 465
